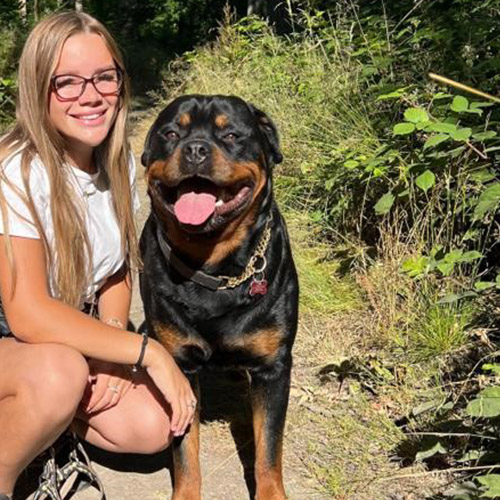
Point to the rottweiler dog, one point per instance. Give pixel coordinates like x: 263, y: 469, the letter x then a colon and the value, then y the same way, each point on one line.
x: 219, y: 285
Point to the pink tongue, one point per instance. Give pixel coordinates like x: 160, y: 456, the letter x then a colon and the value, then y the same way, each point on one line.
x: 194, y: 208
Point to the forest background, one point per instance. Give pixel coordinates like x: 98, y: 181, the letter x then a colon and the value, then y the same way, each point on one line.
x: 391, y: 190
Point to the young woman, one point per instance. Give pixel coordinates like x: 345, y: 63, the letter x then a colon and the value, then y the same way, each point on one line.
x: 67, y: 243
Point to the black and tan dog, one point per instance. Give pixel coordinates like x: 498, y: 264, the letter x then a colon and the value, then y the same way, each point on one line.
x: 219, y: 285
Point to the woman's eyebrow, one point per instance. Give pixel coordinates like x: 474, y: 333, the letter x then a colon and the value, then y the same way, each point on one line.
x: 98, y: 70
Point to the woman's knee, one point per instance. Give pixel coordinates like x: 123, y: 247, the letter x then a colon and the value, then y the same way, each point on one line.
x: 154, y: 431
x: 56, y: 381
x: 145, y: 430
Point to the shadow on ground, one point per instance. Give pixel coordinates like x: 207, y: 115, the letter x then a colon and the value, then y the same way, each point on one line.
x: 225, y: 397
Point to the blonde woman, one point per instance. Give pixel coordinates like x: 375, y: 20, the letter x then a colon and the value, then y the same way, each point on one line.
x: 67, y: 242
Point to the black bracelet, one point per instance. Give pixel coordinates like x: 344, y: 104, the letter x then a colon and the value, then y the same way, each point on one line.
x: 138, y: 365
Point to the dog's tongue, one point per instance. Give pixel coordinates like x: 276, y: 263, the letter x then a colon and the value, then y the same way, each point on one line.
x: 194, y: 208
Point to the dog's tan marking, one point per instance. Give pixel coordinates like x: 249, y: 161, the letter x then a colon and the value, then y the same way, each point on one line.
x: 166, y: 170
x: 268, y: 473
x: 173, y: 340
x: 221, y: 121
x: 187, y: 475
x: 185, y: 120
x: 262, y: 343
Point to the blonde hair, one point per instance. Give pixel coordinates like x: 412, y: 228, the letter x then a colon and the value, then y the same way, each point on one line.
x: 35, y: 135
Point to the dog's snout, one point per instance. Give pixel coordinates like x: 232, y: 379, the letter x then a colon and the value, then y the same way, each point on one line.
x: 196, y: 152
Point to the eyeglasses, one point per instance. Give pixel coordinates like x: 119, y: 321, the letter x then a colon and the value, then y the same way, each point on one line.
x: 69, y: 87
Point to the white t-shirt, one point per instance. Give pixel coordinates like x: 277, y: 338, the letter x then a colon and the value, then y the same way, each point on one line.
x: 102, y: 226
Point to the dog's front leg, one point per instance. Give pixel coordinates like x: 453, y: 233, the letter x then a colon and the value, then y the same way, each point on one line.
x: 269, y: 405
x: 185, y: 452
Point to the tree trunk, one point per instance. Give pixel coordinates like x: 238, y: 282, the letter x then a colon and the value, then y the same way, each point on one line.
x: 257, y: 7
x: 23, y: 11
x: 275, y: 11
x: 79, y: 5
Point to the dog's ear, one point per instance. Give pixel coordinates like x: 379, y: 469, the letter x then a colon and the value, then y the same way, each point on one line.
x: 144, y: 159
x: 146, y: 154
x: 270, y: 133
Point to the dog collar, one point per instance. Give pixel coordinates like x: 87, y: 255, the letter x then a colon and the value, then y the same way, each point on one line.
x: 254, y: 269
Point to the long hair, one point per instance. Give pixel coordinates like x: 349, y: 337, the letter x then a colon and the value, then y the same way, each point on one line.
x: 35, y: 135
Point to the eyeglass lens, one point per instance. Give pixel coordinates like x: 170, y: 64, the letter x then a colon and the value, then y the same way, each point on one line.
x: 73, y: 86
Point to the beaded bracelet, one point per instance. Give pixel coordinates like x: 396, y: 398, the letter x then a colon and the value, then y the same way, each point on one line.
x: 138, y: 365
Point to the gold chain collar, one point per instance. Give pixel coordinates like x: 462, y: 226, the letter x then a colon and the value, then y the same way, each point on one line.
x: 251, y: 269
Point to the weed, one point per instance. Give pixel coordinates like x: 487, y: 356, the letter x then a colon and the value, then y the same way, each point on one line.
x: 441, y: 331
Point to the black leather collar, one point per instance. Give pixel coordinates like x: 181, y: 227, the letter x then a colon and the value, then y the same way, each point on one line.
x: 185, y: 271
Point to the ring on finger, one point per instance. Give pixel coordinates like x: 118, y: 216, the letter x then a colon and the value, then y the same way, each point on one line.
x: 192, y: 403
x: 113, y: 389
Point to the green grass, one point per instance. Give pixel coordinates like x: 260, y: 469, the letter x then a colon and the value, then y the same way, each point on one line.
x: 441, y: 331
x: 322, y: 289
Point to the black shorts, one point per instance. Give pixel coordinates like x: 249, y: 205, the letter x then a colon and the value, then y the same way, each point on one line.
x: 4, y: 326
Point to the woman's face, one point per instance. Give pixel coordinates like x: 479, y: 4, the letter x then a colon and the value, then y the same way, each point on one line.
x: 83, y: 121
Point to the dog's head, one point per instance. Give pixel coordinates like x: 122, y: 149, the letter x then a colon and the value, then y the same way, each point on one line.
x: 208, y: 161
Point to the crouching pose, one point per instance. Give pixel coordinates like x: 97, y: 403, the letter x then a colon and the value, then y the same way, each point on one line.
x: 67, y: 243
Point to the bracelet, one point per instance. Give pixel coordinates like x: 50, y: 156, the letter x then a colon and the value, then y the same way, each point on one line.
x: 138, y: 365
x: 115, y: 322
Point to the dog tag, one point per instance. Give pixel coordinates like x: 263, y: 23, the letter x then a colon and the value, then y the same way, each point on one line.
x: 258, y: 287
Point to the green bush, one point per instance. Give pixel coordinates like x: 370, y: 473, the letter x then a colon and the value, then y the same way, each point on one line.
x: 8, y: 51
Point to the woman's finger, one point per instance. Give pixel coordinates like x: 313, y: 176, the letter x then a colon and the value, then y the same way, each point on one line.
x: 176, y: 415
x: 110, y: 397
x: 190, y: 408
x: 99, y: 389
x: 184, y: 417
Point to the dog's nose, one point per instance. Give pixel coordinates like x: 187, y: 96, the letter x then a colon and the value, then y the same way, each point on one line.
x: 196, y: 152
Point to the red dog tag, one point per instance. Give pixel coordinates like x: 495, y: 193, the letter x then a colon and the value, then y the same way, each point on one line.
x: 258, y: 287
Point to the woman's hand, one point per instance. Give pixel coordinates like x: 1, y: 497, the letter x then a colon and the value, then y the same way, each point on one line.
x: 108, y: 383
x: 173, y: 385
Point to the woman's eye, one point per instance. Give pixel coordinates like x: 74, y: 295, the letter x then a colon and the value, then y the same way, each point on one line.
x: 67, y: 82
x: 230, y: 137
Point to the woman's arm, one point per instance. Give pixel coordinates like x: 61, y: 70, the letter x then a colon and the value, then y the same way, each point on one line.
x: 115, y: 298
x: 111, y: 381
x: 35, y: 317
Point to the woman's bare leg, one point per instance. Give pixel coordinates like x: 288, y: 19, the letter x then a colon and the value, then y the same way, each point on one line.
x: 139, y: 423
x: 40, y: 388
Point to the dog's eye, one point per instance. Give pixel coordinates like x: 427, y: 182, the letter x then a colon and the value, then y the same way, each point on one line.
x: 230, y: 137
x: 171, y: 135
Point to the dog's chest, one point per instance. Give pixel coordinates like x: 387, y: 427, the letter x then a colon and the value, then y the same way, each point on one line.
x: 227, y: 343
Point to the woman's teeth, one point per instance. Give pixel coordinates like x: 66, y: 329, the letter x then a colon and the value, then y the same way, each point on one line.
x: 93, y: 116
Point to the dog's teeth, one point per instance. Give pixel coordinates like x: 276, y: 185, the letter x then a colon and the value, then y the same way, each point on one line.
x: 219, y: 202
